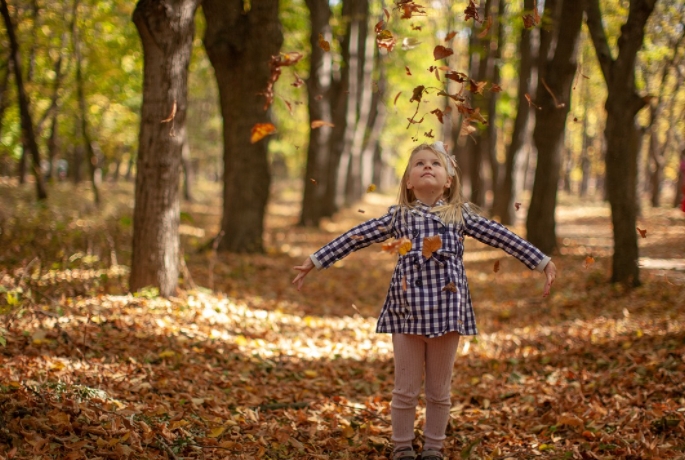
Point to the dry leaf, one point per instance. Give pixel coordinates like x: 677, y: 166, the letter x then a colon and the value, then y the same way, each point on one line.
x: 172, y: 114
x: 643, y: 233
x: 440, y: 52
x: 517, y: 206
x: 589, y: 260
x: 371, y: 188
x: 361, y: 211
x: 450, y: 287
x: 496, y: 267
x: 430, y: 245
x: 260, y: 131
x: 320, y: 123
x: 402, y: 246
x: 488, y: 23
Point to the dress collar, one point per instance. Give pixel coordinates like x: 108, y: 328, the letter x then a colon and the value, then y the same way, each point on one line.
x: 424, y: 207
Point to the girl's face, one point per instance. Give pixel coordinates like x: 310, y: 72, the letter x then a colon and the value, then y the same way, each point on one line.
x: 427, y: 177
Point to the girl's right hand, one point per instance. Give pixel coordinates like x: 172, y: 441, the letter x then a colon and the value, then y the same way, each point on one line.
x: 304, y: 269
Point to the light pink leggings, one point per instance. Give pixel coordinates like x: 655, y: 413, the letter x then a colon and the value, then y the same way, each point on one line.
x: 413, y: 355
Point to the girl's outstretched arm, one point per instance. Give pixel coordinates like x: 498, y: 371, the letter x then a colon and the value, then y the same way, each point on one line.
x: 551, y: 274
x: 304, y: 269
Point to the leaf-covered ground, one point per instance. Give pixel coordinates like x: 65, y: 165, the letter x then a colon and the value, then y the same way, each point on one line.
x: 252, y: 369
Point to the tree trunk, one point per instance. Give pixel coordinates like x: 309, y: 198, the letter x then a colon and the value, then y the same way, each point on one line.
x: 83, y: 116
x: 4, y: 84
x: 621, y: 132
x: 320, y: 88
x: 27, y: 132
x: 166, y: 30
x: 240, y: 44
x: 504, y: 197
x: 186, y: 164
x: 553, y: 96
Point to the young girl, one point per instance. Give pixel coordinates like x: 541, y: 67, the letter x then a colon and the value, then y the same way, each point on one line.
x: 428, y: 305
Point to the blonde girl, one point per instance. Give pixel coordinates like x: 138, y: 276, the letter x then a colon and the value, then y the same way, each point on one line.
x: 428, y: 305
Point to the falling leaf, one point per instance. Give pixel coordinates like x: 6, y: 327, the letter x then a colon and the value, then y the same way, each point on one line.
x: 396, y: 96
x: 440, y: 52
x: 495, y: 88
x: 407, y: 69
x: 450, y: 36
x: 409, y: 43
x: 323, y: 44
x: 488, y: 23
x: 361, y: 211
x: 643, y: 233
x: 532, y: 20
x: 496, y: 267
x: 371, y: 188
x: 450, y: 287
x: 385, y: 39
x: 459, y: 77
x: 275, y: 64
x: 430, y: 245
x: 417, y: 94
x: 404, y: 283
x: 298, y: 81
x: 401, y: 246
x: 313, y: 181
x: 261, y: 130
x: 589, y: 260
x: 557, y: 104
x: 530, y: 101
x: 471, y: 11
x: 413, y: 27
x: 387, y: 14
x: 477, y: 87
x: 320, y: 123
x: 475, y: 115
x: 356, y: 309
x: 172, y: 114
x: 410, y: 9
x: 438, y: 113
x: 429, y: 134
x: 466, y: 129
x: 517, y: 206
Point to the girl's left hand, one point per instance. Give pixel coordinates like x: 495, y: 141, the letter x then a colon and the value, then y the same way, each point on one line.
x: 551, y: 273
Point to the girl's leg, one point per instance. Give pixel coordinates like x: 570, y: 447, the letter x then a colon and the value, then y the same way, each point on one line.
x: 440, y: 353
x: 409, y: 351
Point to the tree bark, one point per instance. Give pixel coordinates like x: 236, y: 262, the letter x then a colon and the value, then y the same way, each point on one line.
x: 556, y: 69
x: 187, y: 166
x: 504, y: 198
x: 621, y: 131
x: 83, y: 118
x: 239, y: 44
x: 166, y: 30
x: 320, y: 89
x: 27, y: 131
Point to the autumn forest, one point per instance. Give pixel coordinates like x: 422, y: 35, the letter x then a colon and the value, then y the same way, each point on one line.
x: 164, y: 164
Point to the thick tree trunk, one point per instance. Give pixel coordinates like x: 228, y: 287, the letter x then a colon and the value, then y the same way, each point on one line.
x: 553, y: 96
x: 320, y: 86
x: 166, y: 30
x: 621, y: 132
x: 27, y: 131
x: 240, y: 44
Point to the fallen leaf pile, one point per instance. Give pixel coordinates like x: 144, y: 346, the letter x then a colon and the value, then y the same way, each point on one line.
x: 256, y: 370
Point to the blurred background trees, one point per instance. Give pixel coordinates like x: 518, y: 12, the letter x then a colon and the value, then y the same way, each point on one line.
x: 348, y: 113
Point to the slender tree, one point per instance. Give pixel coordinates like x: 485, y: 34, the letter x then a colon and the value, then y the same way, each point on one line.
x: 166, y: 30
x: 240, y: 40
x: 27, y: 131
x: 556, y: 68
x: 621, y: 133
x: 503, y: 205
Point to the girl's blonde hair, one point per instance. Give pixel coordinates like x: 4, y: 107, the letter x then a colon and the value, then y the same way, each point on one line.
x: 451, y: 211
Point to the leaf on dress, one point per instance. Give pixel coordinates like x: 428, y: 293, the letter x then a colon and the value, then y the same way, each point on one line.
x: 430, y: 245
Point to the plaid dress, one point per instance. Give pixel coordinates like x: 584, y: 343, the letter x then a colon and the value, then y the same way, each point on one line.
x: 428, y: 296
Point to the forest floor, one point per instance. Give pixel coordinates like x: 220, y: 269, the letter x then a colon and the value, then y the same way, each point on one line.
x: 241, y: 365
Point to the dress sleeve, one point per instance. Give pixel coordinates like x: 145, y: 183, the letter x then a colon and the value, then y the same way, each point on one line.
x: 498, y: 236
x: 363, y: 235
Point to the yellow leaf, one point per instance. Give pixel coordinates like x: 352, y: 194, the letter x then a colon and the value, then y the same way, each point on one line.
x: 178, y: 424
x: 311, y: 374
x: 167, y: 354
x: 241, y: 340
x: 261, y: 130
x: 216, y: 432
x: 371, y: 188
x: 405, y: 247
x: 544, y: 447
x: 348, y: 432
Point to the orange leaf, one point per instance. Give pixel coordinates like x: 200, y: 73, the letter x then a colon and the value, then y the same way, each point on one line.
x: 517, y: 206
x: 430, y: 245
x: 371, y: 188
x: 471, y: 11
x: 397, y: 96
x: 440, y: 52
x: 320, y: 123
x: 401, y: 246
x: 261, y: 130
x: 495, y: 88
x: 323, y: 44
x: 589, y: 260
x: 450, y: 287
x: 643, y: 233
x: 404, y: 283
x: 477, y: 87
x: 450, y: 36
x: 483, y: 33
x: 172, y: 114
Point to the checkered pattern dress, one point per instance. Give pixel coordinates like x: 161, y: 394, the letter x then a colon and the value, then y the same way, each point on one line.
x: 418, y: 301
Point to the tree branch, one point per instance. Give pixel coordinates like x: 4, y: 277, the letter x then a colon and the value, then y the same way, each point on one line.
x: 599, y: 37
